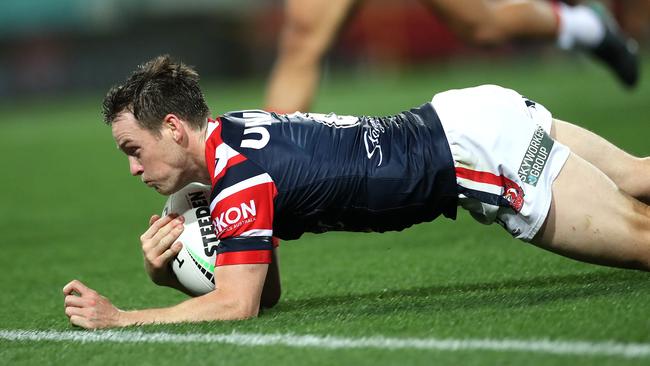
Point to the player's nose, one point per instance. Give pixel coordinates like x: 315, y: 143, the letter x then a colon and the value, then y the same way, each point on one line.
x: 135, y: 167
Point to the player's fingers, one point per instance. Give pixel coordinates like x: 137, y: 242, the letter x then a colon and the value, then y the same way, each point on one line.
x: 71, y: 311
x: 176, y: 248
x: 153, y: 219
x: 76, y: 301
x: 80, y: 321
x: 166, y: 229
x: 167, y: 236
x: 169, y: 243
x: 171, y: 253
x: 76, y: 286
x: 156, y: 225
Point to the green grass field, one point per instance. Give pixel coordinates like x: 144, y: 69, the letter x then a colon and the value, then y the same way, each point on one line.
x: 71, y: 210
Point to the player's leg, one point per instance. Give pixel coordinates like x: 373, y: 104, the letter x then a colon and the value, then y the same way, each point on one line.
x: 494, y: 22
x: 631, y: 174
x: 593, y: 28
x: 592, y: 220
x: 634, y: 16
x: 581, y: 26
x: 511, y: 172
x: 308, y: 30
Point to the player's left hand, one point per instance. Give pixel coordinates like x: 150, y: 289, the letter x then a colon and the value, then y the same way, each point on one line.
x: 88, y: 309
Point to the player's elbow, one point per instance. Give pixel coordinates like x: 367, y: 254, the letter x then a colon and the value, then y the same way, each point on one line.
x: 215, y: 306
x: 245, y: 311
x: 239, y: 309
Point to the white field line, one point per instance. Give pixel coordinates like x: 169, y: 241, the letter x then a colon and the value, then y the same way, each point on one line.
x: 543, y: 346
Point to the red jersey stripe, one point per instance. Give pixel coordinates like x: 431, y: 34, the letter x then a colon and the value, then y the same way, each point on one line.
x: 484, y: 177
x: 247, y: 257
x: 212, y: 141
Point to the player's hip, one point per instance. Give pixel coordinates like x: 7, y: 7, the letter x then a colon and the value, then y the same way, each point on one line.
x: 504, y: 158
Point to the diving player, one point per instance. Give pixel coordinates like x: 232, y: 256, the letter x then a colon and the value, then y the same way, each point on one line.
x: 487, y: 149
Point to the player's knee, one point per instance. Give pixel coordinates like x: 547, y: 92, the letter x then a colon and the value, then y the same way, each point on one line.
x: 634, y: 178
x: 301, y: 40
x: 481, y: 30
x: 639, y: 227
x: 482, y: 35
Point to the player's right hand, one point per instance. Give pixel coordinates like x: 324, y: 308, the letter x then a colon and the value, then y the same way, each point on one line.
x: 87, y: 309
x: 160, y: 246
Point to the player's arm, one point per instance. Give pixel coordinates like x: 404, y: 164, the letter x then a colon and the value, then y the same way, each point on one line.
x: 159, y: 247
x: 237, y: 296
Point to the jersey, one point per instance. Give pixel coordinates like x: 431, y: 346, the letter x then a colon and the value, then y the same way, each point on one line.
x: 279, y: 176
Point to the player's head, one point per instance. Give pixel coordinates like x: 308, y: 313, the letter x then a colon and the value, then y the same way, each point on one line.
x: 155, y: 89
x: 153, y: 115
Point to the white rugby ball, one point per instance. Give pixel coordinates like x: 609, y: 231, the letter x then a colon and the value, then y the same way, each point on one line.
x: 194, y: 265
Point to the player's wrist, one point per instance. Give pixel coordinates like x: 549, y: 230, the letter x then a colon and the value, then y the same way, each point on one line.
x: 127, y: 318
x: 123, y: 318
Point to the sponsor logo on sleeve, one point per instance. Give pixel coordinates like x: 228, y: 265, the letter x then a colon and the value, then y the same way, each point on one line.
x: 234, y: 217
x: 536, y: 156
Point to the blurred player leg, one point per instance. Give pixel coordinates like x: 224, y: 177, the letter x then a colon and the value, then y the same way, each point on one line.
x: 309, y: 28
x: 609, y: 46
x: 631, y: 174
x: 634, y: 17
x: 585, y: 27
x: 495, y: 22
x: 592, y: 220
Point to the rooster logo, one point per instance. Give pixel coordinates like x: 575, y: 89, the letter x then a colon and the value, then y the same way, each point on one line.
x: 515, y: 196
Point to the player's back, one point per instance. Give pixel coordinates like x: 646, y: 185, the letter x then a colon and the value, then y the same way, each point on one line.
x: 347, y: 173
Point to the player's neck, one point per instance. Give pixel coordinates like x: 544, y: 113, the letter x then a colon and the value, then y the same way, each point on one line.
x: 198, y: 156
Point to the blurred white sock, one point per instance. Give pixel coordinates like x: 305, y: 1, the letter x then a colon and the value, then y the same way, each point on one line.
x: 579, y: 26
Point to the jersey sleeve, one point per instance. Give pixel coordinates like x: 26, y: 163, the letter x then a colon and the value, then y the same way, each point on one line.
x: 241, y: 203
x: 242, y: 211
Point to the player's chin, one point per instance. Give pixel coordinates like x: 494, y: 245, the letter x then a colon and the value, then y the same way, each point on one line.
x: 161, y: 188
x: 168, y: 189
x: 164, y: 191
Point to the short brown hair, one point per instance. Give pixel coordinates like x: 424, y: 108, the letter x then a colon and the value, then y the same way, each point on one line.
x: 155, y: 89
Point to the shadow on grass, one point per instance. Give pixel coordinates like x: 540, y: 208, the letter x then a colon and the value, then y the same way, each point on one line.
x: 507, y: 294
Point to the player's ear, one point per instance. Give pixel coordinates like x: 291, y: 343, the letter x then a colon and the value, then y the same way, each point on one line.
x: 174, y: 126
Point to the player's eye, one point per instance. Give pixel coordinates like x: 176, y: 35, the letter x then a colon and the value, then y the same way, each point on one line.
x: 132, y: 151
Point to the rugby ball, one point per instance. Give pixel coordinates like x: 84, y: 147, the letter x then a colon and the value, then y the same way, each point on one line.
x: 194, y: 265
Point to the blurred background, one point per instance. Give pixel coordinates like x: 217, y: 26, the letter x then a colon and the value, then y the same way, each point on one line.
x: 53, y: 47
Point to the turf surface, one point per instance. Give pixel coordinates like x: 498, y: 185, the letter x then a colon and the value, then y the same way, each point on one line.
x: 71, y: 210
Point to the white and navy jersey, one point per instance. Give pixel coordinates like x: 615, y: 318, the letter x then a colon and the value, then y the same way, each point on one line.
x: 279, y: 176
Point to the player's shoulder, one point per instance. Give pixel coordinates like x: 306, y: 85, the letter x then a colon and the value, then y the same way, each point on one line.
x: 247, y: 117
